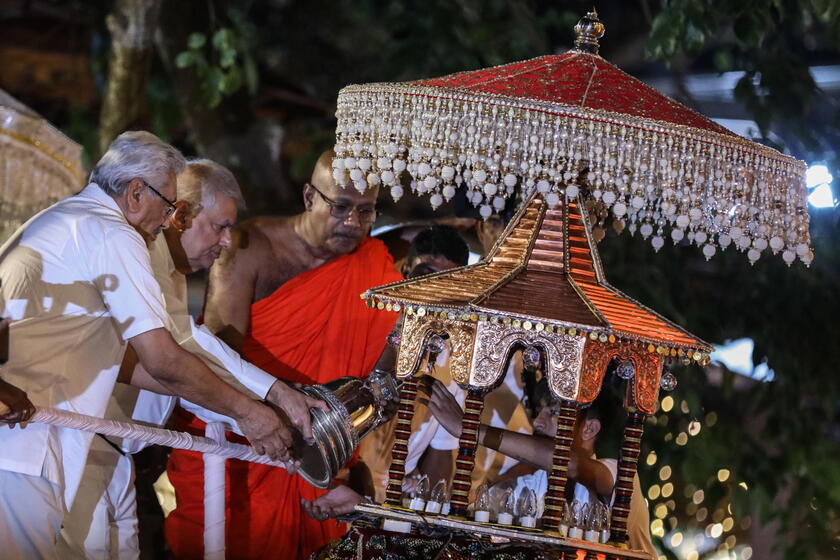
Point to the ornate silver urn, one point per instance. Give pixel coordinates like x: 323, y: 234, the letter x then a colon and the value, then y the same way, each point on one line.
x: 357, y: 407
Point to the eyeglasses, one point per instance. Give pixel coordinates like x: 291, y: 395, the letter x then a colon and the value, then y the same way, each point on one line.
x: 171, y: 204
x: 342, y: 211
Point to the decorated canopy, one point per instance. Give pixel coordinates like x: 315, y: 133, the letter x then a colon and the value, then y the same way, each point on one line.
x: 575, y: 126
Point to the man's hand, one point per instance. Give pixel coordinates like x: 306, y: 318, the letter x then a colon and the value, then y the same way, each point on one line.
x: 339, y: 501
x: 411, y: 483
x: 266, y: 431
x: 442, y: 404
x: 15, y: 406
x: 296, y: 406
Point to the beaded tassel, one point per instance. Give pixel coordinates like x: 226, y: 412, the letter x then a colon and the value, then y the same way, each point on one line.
x: 462, y: 480
x: 712, y: 189
x: 630, y: 448
x: 554, y: 498
x: 396, y: 472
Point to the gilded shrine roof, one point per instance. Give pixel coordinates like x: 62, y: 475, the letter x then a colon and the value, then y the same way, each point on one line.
x: 543, y: 274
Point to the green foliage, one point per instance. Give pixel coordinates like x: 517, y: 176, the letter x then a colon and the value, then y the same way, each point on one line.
x: 773, y: 42
x: 372, y: 40
x: 226, y: 62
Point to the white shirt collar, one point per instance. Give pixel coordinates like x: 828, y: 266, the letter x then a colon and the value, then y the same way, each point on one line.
x: 95, y: 192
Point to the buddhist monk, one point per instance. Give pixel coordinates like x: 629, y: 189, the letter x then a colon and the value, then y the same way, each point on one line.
x: 286, y: 295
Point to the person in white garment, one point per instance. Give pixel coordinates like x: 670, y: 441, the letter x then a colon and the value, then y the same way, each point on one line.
x: 78, y: 285
x: 103, y: 521
x: 594, y: 479
x: 503, y: 407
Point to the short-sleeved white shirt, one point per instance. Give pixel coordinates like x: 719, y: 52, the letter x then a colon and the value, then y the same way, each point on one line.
x: 77, y: 282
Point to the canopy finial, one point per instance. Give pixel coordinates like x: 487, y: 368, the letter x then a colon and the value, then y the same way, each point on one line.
x: 588, y: 30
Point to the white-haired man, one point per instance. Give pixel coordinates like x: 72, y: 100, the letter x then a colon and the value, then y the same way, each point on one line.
x: 77, y: 282
x: 103, y: 521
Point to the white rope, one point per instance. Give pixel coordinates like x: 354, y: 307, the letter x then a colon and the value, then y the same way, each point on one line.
x: 214, y: 447
x: 156, y: 436
x: 214, y: 497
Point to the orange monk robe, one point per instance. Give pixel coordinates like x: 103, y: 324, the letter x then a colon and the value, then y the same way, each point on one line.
x: 313, y: 329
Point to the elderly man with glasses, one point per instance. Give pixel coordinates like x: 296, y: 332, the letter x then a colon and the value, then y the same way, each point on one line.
x: 103, y: 522
x: 77, y: 282
x: 287, y: 295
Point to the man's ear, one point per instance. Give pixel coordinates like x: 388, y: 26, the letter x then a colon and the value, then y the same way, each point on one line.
x: 134, y: 195
x: 591, y: 428
x: 182, y: 218
x: 308, y: 194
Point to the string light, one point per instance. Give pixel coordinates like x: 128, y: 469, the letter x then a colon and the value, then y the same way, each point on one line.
x: 653, y: 492
x: 716, y: 531
x: 694, y: 428
x: 711, y: 419
x: 730, y: 541
x: 676, y: 539
x: 657, y: 528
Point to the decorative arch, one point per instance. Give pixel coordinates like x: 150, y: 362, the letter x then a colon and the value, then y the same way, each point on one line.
x: 494, y: 342
x: 644, y: 388
x: 416, y: 331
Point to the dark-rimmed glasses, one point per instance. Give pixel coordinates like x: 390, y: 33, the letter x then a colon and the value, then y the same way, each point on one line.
x: 171, y: 204
x: 342, y: 211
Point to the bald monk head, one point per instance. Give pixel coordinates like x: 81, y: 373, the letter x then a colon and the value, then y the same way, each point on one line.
x: 337, y: 218
x: 268, y: 251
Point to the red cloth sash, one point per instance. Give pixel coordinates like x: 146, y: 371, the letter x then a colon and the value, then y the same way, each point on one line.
x: 312, y: 329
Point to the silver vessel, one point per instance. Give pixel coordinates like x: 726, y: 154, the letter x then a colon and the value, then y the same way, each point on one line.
x: 357, y: 407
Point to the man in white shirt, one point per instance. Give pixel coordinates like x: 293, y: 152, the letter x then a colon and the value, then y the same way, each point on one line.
x: 77, y: 282
x: 103, y: 521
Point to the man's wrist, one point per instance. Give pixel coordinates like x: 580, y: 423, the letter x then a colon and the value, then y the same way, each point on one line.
x: 492, y: 437
x: 248, y: 408
x: 277, y: 390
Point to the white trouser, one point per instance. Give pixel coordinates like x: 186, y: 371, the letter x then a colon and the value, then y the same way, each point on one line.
x: 102, y: 524
x: 31, y: 509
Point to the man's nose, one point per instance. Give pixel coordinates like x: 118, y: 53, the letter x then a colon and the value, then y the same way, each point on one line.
x: 352, y: 218
x: 226, y: 240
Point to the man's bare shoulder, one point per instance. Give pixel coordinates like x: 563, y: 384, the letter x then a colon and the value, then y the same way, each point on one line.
x: 253, y: 240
